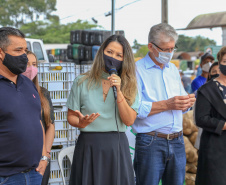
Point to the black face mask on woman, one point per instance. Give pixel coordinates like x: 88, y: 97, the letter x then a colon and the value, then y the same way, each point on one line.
x: 222, y: 69
x: 213, y: 76
x: 112, y: 62
x: 16, y: 64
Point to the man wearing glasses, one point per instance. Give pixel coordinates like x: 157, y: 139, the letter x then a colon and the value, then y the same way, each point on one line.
x: 160, y: 152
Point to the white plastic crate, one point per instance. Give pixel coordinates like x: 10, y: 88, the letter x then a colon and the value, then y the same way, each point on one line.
x: 56, y: 86
x: 60, y: 146
x: 60, y: 113
x: 85, y: 66
x: 65, y: 163
x: 47, y: 72
x: 57, y: 81
x: 58, y: 183
x: 59, y: 96
x: 55, y: 174
x: 63, y: 130
x: 77, y: 70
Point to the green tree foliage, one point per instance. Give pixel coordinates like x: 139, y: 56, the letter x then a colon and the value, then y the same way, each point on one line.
x: 190, y: 44
x: 52, y: 31
x: 136, y: 45
x: 18, y: 12
x: 184, y: 43
x: 142, y: 51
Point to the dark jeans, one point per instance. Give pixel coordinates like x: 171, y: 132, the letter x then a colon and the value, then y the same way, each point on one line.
x: 30, y: 178
x: 158, y: 158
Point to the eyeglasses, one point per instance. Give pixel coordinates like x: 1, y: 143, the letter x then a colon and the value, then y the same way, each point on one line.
x: 166, y: 50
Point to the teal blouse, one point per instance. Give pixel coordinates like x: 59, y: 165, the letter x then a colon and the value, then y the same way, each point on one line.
x: 91, y: 101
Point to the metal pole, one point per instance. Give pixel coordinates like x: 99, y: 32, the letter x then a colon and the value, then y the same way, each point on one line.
x: 113, y: 18
x: 165, y: 11
x: 223, y: 36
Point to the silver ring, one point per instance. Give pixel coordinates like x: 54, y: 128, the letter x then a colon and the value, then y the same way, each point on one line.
x: 115, y: 81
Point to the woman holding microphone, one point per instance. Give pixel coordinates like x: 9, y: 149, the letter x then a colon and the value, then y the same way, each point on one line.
x: 102, y: 152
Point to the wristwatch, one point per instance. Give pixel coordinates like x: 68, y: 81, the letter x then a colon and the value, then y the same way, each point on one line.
x: 45, y: 158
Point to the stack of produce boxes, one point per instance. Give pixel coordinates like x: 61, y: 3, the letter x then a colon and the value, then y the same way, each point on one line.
x: 84, y: 46
x: 81, y: 50
x: 58, y: 78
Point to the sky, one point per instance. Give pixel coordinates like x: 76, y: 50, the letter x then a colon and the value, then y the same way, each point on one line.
x: 137, y: 18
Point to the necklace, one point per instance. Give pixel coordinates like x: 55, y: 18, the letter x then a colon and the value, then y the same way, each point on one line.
x: 105, y: 94
x: 106, y: 87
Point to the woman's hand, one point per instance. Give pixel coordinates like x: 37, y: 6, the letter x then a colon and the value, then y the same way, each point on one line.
x: 115, y: 80
x: 84, y: 121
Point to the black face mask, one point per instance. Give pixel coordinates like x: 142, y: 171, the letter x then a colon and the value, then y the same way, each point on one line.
x: 112, y: 62
x: 213, y: 76
x: 16, y: 64
x: 222, y: 69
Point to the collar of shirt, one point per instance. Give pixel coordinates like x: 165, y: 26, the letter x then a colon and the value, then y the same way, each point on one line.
x: 20, y: 79
x: 149, y: 63
x: 2, y: 77
x: 202, y: 77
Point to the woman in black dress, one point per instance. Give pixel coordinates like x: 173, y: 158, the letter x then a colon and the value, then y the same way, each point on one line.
x: 210, y: 114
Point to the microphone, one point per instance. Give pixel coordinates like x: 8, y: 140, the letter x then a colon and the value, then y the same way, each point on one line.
x: 113, y: 71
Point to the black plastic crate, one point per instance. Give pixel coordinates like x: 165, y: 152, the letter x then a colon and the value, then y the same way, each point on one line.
x: 69, y: 52
x: 48, y: 51
x: 86, y: 37
x: 78, y: 51
x: 77, y: 62
x: 63, y: 54
x: 106, y: 34
x: 92, y: 38
x: 76, y: 37
x: 88, y: 53
x: 98, y: 38
x: 120, y: 32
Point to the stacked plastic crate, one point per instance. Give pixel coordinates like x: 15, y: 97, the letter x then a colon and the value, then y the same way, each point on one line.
x: 60, y: 55
x: 84, y: 46
x: 58, y: 78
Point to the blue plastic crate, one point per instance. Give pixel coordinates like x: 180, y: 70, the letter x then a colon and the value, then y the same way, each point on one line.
x: 94, y: 51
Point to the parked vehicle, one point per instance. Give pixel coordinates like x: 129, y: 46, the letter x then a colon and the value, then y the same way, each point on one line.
x: 37, y: 47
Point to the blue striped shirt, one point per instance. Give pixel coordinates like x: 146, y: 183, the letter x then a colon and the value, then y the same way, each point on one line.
x: 156, y: 84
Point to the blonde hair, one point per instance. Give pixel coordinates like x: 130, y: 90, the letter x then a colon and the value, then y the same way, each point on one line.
x: 44, y: 102
x: 127, y: 73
